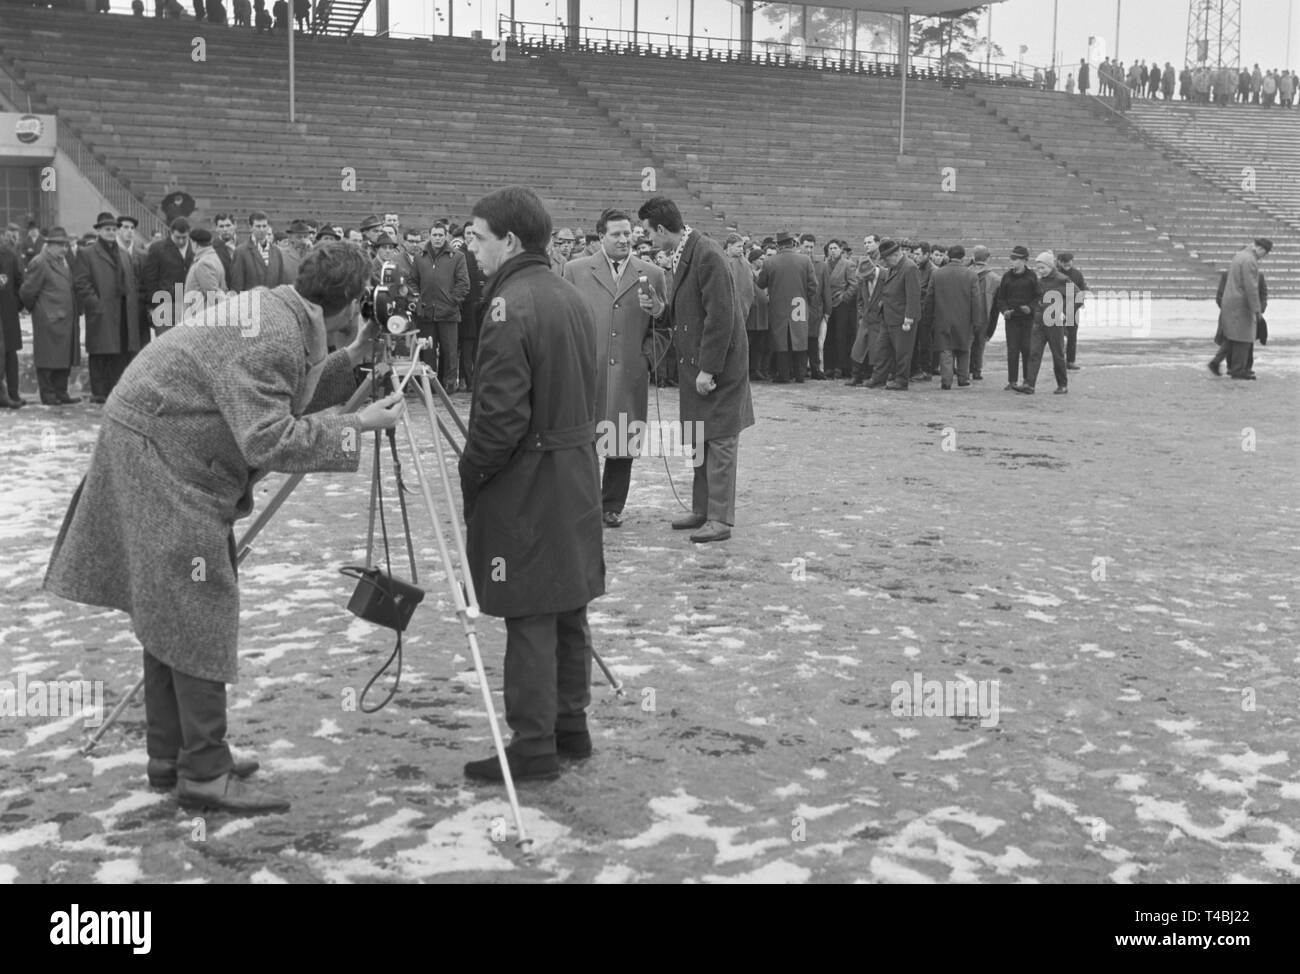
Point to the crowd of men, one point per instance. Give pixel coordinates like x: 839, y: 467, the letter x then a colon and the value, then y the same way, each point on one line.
x: 130, y: 291
x: 1203, y: 84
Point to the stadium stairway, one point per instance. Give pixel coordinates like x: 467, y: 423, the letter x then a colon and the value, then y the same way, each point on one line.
x: 1177, y: 205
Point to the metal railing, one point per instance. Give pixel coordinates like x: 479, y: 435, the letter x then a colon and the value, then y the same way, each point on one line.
x: 560, y: 37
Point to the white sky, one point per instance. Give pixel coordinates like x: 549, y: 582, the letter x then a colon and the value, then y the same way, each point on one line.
x: 1149, y: 29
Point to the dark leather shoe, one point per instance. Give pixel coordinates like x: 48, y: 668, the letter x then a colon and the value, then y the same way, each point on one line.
x: 538, y: 767
x: 7, y: 403
x: 574, y: 745
x: 962, y: 385
x: 1027, y: 390
x: 921, y: 377
x: 689, y: 522
x: 819, y: 376
x: 1060, y: 391
x: 229, y: 794
x: 855, y: 382
x: 943, y: 386
x: 98, y: 400
x: 711, y: 531
x: 162, y: 772
x: 977, y: 376
x: 612, y: 519
x: 1214, y: 367
x: 46, y: 401
x: 1072, y: 367
x: 876, y: 384
x: 1011, y: 387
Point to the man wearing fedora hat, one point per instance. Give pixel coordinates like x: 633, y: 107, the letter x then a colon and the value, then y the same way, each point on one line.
x: 893, y: 310
x: 792, y: 300
x: 371, y: 228
x: 56, y: 333
x: 11, y: 336
x: 108, y: 287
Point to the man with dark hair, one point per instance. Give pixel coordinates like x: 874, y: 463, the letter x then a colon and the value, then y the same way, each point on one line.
x: 958, y: 314
x: 258, y: 262
x: 166, y: 265
x: 531, y: 484
x: 440, y: 276
x: 186, y: 435
x: 819, y: 307
x: 225, y: 241
x: 106, y: 283
x: 625, y: 350
x: 713, y: 364
x: 842, y: 317
x: 988, y: 285
x: 1065, y: 264
x: 923, y: 344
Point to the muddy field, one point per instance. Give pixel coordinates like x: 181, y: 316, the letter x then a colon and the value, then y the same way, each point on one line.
x: 1113, y: 571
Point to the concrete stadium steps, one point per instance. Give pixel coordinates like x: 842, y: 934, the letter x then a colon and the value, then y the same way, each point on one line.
x: 775, y: 149
x: 443, y: 125
x: 1218, y: 143
x: 1179, y: 204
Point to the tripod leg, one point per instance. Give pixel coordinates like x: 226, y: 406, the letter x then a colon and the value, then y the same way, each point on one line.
x: 446, y: 401
x: 374, y: 493
x: 467, y: 610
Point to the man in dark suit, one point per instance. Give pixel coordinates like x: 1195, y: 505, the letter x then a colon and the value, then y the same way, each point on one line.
x: 258, y: 262
x: 109, y: 291
x: 894, y: 310
x: 958, y: 314
x: 165, y: 266
x: 530, y: 480
x: 713, y: 363
x: 226, y: 242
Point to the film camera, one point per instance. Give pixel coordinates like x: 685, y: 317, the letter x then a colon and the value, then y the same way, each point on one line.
x: 392, y: 302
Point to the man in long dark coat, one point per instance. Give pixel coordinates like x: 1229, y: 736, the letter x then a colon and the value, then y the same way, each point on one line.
x: 193, y: 424
x: 106, y: 283
x: 958, y: 314
x: 1240, y: 308
x: 531, y: 483
x: 56, y: 327
x: 792, y: 299
x: 713, y: 364
x: 625, y: 352
x: 11, y: 336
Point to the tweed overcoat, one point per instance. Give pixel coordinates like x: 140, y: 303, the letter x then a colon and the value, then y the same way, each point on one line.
x: 198, y: 416
x: 529, y: 473
x: 56, y: 312
x: 709, y: 335
x: 625, y: 340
